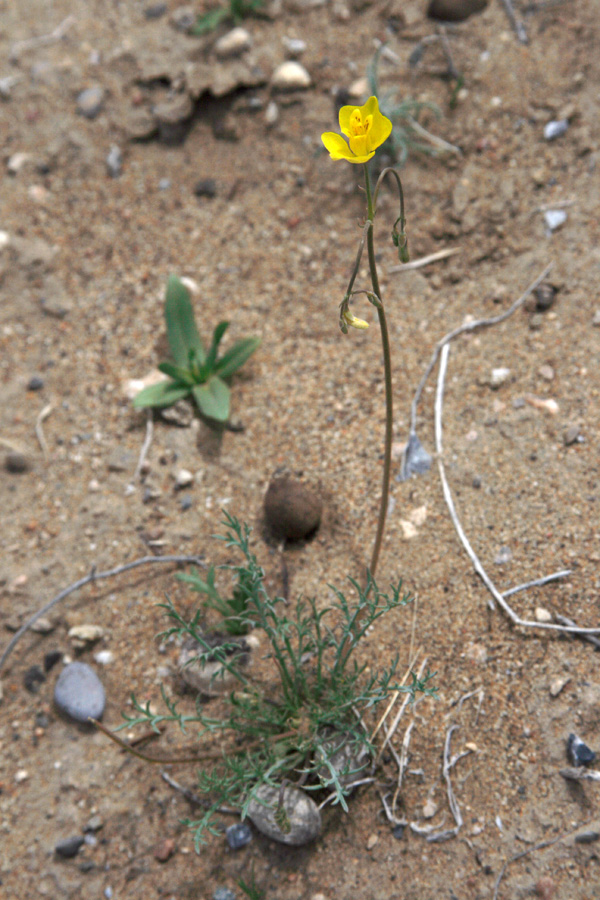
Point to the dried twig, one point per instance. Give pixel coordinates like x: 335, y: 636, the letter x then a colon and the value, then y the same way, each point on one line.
x: 425, y: 260
x: 43, y: 39
x: 518, y: 27
x: 448, y: 764
x: 347, y: 787
x: 579, y: 774
x: 39, y: 431
x: 539, y: 582
x: 93, y: 576
x: 517, y: 620
x: 145, y: 445
x: 529, y: 850
x: 583, y: 637
x: 390, y: 733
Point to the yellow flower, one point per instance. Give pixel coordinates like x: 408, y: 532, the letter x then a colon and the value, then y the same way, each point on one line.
x: 366, y: 129
x: 349, y: 319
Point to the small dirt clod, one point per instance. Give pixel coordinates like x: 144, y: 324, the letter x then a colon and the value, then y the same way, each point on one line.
x: 292, y: 509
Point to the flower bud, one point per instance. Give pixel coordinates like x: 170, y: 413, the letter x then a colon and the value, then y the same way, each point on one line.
x: 349, y: 319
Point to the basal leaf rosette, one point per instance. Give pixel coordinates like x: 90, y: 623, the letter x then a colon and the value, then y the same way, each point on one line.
x: 366, y: 129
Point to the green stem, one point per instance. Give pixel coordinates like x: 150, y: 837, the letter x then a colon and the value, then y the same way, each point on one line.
x: 387, y: 366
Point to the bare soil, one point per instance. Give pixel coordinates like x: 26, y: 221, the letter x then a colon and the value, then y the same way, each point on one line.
x: 82, y: 287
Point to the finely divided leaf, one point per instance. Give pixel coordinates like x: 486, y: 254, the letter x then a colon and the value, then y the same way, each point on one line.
x: 181, y: 326
x: 165, y: 393
x: 235, y: 357
x: 213, y: 399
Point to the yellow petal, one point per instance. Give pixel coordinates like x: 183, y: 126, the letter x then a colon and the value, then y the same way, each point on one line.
x: 379, y: 128
x: 339, y: 149
x: 354, y: 321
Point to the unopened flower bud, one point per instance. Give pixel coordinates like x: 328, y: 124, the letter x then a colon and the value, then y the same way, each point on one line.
x: 349, y: 319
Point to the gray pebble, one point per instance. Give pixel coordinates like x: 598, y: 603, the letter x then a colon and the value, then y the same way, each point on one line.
x: 90, y: 102
x: 79, y: 692
x: 555, y: 129
x: 223, y: 893
x: 96, y: 823
x: 572, y: 436
x: 238, y: 835
x: 302, y: 813
x: 33, y: 679
x: 120, y: 461
x: 206, y: 188
x: 164, y: 184
x: 114, y: 161
x: 587, y: 837
x: 503, y: 556
x: 185, y: 503
x: 184, y: 19
x: 544, y: 296
x: 35, y: 383
x: 155, y: 10
x: 69, y: 847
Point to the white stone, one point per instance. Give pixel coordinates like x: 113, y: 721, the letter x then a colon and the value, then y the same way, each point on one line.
x: 4, y: 239
x: 557, y: 685
x: 183, y: 478
x: 104, y: 657
x: 408, y: 529
x: 499, y: 377
x: 542, y: 615
x: 234, y: 43
x: 81, y: 635
x: 17, y: 161
x: 429, y: 808
x: 546, y: 405
x: 418, y: 515
x: 294, y: 47
x: 133, y: 386
x: 290, y: 76
x: 271, y: 113
x: 554, y: 218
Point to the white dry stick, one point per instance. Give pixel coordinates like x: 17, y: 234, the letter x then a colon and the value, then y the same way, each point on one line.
x: 518, y: 27
x: 580, y: 774
x: 93, y: 576
x: 145, y: 445
x: 448, y: 764
x: 389, y: 734
x: 517, y: 620
x: 39, y: 431
x: 43, y: 39
x: 425, y: 260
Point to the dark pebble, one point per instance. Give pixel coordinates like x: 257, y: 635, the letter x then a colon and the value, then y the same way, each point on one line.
x: 185, y: 502
x: 207, y: 187
x: 87, y: 865
x: 238, y: 835
x: 544, y: 296
x: 33, y: 679
x: 155, y: 11
x: 69, y: 847
x: 578, y: 752
x: 35, y: 383
x: 41, y: 720
x: 51, y: 658
x: 587, y: 837
x: 17, y: 462
x: 454, y: 10
x: 398, y: 831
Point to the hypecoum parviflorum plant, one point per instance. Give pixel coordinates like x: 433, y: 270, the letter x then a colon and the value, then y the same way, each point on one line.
x: 365, y: 129
x: 296, y: 727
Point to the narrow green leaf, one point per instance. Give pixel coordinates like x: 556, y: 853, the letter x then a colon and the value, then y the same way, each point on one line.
x: 210, y: 20
x: 160, y: 395
x: 213, y: 399
x: 181, y: 326
x: 177, y: 373
x: 236, y: 356
x: 211, y: 356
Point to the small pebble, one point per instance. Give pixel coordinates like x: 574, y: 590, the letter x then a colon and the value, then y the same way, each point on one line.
x: 554, y: 218
x: 545, y: 888
x: 35, y: 383
x: 21, y: 775
x: 94, y: 486
x: 271, y: 113
x: 183, y: 478
x: 572, y: 436
x: 290, y: 76
x: 398, y: 831
x: 17, y: 462
x: 545, y: 295
x: 596, y: 319
x: 81, y: 635
x: 546, y: 405
x: 155, y: 10
x: 238, y: 835
x: 164, y: 184
x: 292, y: 509
x: 371, y: 841
x: 207, y: 187
x: 546, y: 372
x: 542, y: 615
x: 184, y: 18
x: 16, y: 162
x: 223, y: 893
x: 555, y: 129
x: 294, y: 47
x: 51, y: 658
x: 578, y: 752
x: 33, y: 679
x: 234, y: 43
x: 185, y: 503
x: 43, y: 625
x: 499, y: 377
x: 429, y: 808
x: 114, y: 161
x: 503, y: 556
x: 90, y: 102
x: 104, y: 657
x: 558, y: 685
x: 587, y: 837
x: 69, y: 847
x: 164, y: 850
x: 96, y: 823
x: 79, y: 692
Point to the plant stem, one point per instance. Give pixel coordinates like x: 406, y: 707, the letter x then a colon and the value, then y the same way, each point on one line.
x: 387, y: 366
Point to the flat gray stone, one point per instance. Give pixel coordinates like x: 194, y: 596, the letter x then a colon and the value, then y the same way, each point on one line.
x: 79, y: 692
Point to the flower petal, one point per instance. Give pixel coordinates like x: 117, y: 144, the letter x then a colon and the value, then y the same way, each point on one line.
x: 337, y: 146
x: 344, y: 118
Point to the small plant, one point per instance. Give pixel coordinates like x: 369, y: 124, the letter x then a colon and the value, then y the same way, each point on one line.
x: 269, y: 735
x: 235, y: 12
x: 194, y: 371
x: 234, y: 609
x: 251, y: 889
x: 408, y: 134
